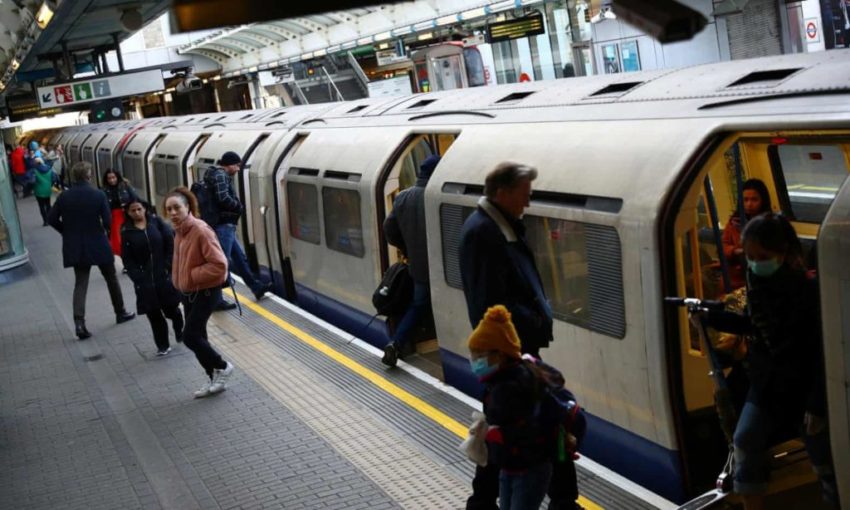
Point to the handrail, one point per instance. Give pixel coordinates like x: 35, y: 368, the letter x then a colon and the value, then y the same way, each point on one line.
x: 332, y: 84
x: 300, y: 93
x: 358, y: 71
x: 452, y: 112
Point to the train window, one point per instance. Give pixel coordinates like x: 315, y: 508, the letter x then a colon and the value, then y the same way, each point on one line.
x: 358, y: 108
x: 451, y: 223
x: 343, y: 227
x: 303, y: 210
x: 412, y: 160
x: 812, y: 174
x: 160, y: 174
x: 174, y: 178
x: 581, y: 268
x: 421, y: 104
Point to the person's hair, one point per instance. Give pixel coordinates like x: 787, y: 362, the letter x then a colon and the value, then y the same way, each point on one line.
x: 507, y: 175
x: 186, y: 196
x: 118, y: 176
x: 774, y: 233
x: 135, y: 200
x: 759, y: 187
x: 81, y: 171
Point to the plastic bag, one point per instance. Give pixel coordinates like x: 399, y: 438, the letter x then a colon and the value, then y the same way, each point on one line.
x: 475, y: 445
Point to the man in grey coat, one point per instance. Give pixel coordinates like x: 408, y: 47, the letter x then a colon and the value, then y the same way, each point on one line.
x: 404, y: 228
x: 82, y: 216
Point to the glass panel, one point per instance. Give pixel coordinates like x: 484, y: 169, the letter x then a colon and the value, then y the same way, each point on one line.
x: 303, y: 209
x: 174, y: 179
x: 104, y: 160
x: 411, y: 162
x: 159, y: 173
x: 630, y: 56
x: 813, y: 175
x: 447, y: 73
x: 11, y: 241
x: 611, y: 58
x: 474, y: 67
x: 343, y: 227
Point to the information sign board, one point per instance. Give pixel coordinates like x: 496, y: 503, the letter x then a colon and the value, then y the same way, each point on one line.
x: 516, y: 28
x: 99, y: 88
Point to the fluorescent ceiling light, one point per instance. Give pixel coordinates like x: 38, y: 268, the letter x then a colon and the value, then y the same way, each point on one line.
x: 383, y: 46
x: 348, y: 45
x: 43, y: 16
x: 402, y: 30
x: 425, y: 25
x: 383, y: 36
x: 364, y: 41
x: 474, y: 13
x: 447, y: 20
x: 320, y: 53
x: 253, y: 69
x: 425, y: 36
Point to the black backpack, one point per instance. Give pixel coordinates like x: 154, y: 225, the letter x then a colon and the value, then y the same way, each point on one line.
x: 395, y: 292
x: 207, y: 204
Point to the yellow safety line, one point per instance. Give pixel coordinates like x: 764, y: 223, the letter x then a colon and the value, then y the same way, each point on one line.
x: 439, y: 417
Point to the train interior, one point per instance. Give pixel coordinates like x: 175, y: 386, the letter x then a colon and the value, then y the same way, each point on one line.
x: 803, y: 172
x: 402, y: 175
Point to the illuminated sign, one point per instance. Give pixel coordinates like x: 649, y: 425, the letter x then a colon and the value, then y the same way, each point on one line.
x: 516, y: 28
x: 99, y: 88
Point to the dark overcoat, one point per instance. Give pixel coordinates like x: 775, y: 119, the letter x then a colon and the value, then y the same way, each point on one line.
x: 147, y: 256
x: 82, y: 216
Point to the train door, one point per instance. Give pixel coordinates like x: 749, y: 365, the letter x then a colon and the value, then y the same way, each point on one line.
x: 74, y: 148
x: 107, y: 156
x: 136, y: 162
x: 169, y: 162
x: 400, y: 176
x: 440, y: 68
x: 291, y: 219
x: 88, y: 152
x: 802, y: 172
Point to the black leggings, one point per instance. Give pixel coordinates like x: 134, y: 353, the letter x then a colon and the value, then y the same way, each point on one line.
x: 198, y: 307
x: 157, y: 318
x: 43, y: 207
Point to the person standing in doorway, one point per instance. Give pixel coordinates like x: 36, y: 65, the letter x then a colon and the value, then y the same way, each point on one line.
x: 81, y: 215
x: 199, y: 269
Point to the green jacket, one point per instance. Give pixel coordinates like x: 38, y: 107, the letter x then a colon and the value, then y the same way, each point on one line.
x: 44, y: 177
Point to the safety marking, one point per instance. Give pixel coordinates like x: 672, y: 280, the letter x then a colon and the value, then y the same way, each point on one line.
x: 424, y: 408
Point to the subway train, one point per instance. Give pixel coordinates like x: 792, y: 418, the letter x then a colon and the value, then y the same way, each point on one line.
x: 638, y: 173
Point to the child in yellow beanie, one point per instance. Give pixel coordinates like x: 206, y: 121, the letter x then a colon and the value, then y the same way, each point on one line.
x: 516, y: 442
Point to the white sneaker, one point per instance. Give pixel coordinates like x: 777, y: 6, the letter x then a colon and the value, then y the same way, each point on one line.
x: 163, y: 352
x: 220, y: 377
x: 204, y: 391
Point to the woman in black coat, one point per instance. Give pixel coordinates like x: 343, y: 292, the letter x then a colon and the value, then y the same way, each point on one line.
x: 148, y: 244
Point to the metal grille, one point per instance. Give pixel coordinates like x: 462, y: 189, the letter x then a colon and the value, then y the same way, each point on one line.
x: 605, y: 271
x: 451, y: 223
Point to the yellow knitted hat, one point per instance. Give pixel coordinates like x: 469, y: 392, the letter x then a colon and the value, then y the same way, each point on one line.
x: 496, y: 332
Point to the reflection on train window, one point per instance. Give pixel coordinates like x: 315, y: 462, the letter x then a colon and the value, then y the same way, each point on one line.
x: 813, y: 174
x: 451, y: 224
x: 343, y: 227
x: 580, y: 265
x: 303, y: 209
x: 411, y: 162
x: 159, y: 173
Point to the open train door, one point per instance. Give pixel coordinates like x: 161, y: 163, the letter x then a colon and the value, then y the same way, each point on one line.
x: 834, y: 276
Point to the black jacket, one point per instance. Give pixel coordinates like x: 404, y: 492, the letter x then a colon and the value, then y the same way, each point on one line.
x: 512, y: 402
x: 498, y: 268
x: 119, y: 195
x: 221, y: 190
x: 82, y: 216
x: 405, y: 229
x: 785, y: 352
x: 147, y: 255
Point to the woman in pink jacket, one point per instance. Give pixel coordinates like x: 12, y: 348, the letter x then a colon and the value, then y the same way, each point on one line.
x: 198, y: 271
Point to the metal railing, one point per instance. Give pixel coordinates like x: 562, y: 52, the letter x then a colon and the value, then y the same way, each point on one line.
x: 361, y: 77
x: 332, y: 86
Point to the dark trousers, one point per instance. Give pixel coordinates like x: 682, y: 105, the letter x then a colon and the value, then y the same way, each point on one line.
x: 43, y: 207
x: 563, y: 487
x: 81, y: 287
x: 160, y: 328
x: 198, y: 307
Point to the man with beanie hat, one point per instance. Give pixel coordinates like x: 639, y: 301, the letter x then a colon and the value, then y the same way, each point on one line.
x: 218, y: 180
x: 404, y: 228
x: 519, y: 446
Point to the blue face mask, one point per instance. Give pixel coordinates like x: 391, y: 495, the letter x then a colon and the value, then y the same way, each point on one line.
x: 764, y: 268
x: 481, y: 368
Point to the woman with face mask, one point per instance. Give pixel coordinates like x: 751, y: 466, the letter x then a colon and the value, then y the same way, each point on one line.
x: 147, y: 250
x: 784, y: 355
x: 517, y: 442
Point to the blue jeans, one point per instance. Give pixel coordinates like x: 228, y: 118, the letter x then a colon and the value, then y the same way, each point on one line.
x: 524, y: 491
x: 414, y: 314
x: 237, y: 262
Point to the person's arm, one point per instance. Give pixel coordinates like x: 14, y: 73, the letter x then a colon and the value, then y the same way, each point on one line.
x: 729, y: 322
x: 54, y: 217
x: 225, y: 199
x: 167, y: 241
x: 135, y: 269
x: 105, y: 214
x: 482, y: 266
x: 730, y: 242
x: 214, y: 269
x: 392, y: 231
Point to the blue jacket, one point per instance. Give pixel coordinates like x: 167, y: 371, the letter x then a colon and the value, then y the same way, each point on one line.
x: 498, y: 268
x: 82, y: 216
x: 404, y: 228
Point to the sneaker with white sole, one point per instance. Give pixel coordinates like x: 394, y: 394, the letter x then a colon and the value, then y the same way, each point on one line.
x: 204, y: 391
x: 220, y: 377
x: 163, y: 352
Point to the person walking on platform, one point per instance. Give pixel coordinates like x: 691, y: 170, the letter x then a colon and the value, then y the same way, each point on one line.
x: 199, y: 269
x: 19, y: 169
x: 119, y: 193
x: 497, y: 267
x: 147, y: 250
x: 43, y: 189
x: 404, y: 228
x: 223, y: 215
x: 81, y: 215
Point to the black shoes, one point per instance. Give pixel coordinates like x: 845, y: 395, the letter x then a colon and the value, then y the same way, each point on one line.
x: 390, y: 358
x: 261, y: 292
x: 123, y: 317
x: 224, y: 306
x: 80, y: 327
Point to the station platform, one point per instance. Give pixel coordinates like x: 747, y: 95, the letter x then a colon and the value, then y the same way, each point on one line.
x: 311, y: 418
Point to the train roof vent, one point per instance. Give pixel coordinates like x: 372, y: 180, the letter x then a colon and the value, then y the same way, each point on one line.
x: 764, y: 78
x: 420, y: 104
x: 359, y: 108
x: 246, y: 116
x: 616, y: 88
x: 203, y: 120
x: 515, y: 97
x: 278, y: 114
x: 190, y: 119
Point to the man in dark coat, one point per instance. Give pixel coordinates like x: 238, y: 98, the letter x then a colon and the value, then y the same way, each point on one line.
x: 404, y: 228
x: 82, y: 216
x: 497, y: 268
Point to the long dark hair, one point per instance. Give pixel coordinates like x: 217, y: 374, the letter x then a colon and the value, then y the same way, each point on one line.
x: 759, y: 187
x: 774, y: 233
x: 136, y: 200
x: 118, y: 176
